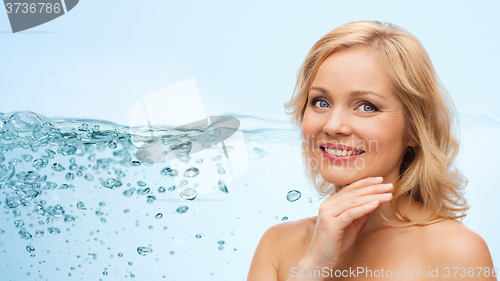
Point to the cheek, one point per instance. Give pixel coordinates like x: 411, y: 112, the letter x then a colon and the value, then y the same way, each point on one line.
x: 387, y: 137
x: 381, y: 135
x: 309, y: 127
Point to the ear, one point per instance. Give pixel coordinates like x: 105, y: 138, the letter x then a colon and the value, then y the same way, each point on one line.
x: 411, y: 142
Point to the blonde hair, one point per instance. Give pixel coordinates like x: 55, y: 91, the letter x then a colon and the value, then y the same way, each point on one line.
x: 427, y: 174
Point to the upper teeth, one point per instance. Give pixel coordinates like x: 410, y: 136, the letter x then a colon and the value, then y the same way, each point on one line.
x: 337, y: 152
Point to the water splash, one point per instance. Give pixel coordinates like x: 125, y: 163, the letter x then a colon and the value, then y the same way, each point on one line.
x: 59, y: 171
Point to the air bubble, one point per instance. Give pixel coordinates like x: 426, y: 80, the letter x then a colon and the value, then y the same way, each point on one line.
x: 30, y: 249
x: 188, y: 194
x: 169, y: 172
x: 144, y: 251
x: 222, y: 186
x: 293, y: 195
x: 182, y: 209
x: 54, y: 230
x: 191, y: 172
x: 57, y: 167
x: 111, y: 183
x: 81, y: 206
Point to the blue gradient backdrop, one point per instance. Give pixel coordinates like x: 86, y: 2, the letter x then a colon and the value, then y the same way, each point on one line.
x: 101, y: 57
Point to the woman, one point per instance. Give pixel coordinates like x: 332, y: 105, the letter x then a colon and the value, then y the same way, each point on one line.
x: 378, y: 139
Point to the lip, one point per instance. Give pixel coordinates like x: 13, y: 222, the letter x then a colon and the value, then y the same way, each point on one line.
x: 340, y: 159
x: 340, y: 147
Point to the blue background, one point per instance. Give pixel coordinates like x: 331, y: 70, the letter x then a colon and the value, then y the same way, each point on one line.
x: 101, y: 57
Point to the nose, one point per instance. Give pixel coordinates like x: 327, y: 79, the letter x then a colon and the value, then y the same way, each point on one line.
x: 338, y: 123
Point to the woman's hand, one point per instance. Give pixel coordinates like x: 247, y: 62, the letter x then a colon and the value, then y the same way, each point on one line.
x: 340, y: 218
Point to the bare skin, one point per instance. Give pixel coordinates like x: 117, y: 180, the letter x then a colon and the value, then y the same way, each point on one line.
x: 440, y: 246
x: 348, y: 231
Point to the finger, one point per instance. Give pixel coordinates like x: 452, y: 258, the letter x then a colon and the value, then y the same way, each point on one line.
x: 355, y: 202
x: 362, y: 183
x: 368, y: 190
x: 350, y: 215
x: 372, y: 212
x: 359, y: 222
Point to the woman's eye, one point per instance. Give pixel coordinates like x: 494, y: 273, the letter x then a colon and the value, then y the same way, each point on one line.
x: 368, y: 107
x: 322, y: 103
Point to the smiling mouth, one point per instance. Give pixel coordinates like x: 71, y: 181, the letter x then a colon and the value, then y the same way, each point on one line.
x: 340, y: 153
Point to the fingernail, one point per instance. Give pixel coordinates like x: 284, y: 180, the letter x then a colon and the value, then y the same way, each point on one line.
x: 386, y: 196
x: 379, y: 178
x: 388, y: 184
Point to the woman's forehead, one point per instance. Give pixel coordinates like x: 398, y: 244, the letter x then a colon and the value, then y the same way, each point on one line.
x: 352, y: 67
x: 353, y: 72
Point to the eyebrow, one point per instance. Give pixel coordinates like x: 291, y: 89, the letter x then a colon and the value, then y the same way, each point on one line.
x: 356, y: 93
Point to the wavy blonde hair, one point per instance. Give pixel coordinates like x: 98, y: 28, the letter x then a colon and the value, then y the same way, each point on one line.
x: 427, y: 174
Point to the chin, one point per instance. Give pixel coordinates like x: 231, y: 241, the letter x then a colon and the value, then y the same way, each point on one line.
x: 344, y: 180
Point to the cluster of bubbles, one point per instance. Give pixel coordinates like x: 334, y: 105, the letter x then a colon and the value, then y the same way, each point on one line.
x: 25, y: 186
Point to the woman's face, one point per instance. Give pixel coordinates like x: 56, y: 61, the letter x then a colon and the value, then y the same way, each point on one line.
x: 351, y: 103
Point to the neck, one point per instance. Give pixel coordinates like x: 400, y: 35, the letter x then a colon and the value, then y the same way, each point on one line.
x: 410, y: 208
x: 385, y: 210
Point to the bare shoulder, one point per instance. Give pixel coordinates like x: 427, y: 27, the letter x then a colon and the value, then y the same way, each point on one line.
x: 275, y: 244
x: 452, y: 243
x: 288, y: 233
x: 294, y: 229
